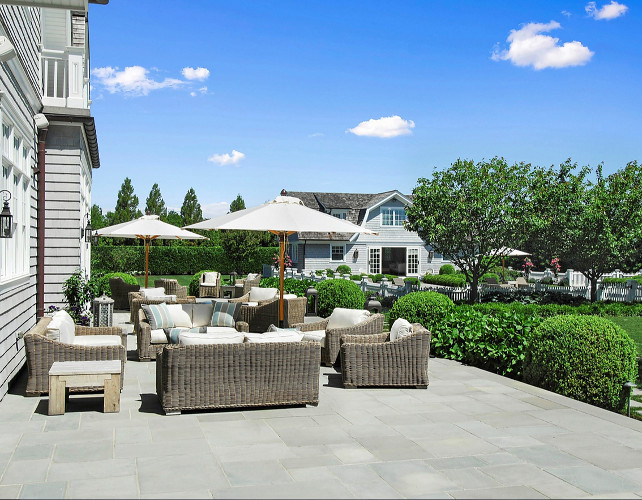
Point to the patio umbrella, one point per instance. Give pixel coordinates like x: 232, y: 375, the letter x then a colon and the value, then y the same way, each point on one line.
x: 507, y: 252
x: 283, y: 216
x: 148, y: 228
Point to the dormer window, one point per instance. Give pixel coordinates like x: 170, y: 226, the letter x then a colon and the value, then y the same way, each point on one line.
x: 393, y: 216
x: 339, y: 213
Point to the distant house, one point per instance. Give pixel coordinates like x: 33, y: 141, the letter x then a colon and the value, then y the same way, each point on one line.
x: 394, y: 250
x: 48, y: 149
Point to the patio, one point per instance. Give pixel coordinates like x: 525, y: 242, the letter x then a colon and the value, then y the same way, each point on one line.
x: 471, y: 434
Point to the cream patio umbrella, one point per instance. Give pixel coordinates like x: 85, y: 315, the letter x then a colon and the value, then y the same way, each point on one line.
x: 148, y: 228
x: 507, y: 252
x: 283, y: 216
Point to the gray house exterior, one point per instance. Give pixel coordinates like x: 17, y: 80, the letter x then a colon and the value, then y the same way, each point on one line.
x: 393, y: 250
x: 48, y: 149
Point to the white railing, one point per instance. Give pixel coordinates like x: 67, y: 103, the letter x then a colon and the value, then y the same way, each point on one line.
x: 63, y: 78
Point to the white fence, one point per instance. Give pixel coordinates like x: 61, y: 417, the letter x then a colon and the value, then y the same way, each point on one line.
x: 576, y: 278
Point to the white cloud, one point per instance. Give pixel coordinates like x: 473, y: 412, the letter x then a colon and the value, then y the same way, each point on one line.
x: 132, y: 80
x: 202, y: 90
x: 528, y: 47
x: 215, y: 209
x: 609, y: 11
x: 316, y: 134
x: 566, y: 13
x: 386, y: 127
x: 199, y: 74
x: 227, y: 159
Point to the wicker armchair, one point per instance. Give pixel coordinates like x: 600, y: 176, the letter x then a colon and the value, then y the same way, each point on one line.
x: 42, y: 352
x: 209, y: 289
x: 207, y: 376
x: 372, y: 360
x: 330, y: 352
x: 172, y: 288
x: 266, y: 313
x: 120, y: 292
x: 247, y: 284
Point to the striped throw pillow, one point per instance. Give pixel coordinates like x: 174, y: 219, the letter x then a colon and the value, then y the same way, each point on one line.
x: 158, y: 316
x: 225, y: 313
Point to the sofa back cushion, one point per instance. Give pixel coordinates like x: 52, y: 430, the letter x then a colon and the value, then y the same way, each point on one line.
x: 64, y: 325
x: 152, y: 292
x: 257, y: 293
x: 225, y: 314
x: 180, y: 316
x: 345, y: 318
x: 400, y: 328
x: 211, y: 277
x: 158, y: 315
x: 202, y: 314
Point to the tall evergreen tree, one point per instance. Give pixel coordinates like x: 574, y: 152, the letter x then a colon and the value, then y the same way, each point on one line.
x: 155, y: 205
x: 237, y: 204
x: 191, y: 210
x: 97, y: 217
x: 127, y: 203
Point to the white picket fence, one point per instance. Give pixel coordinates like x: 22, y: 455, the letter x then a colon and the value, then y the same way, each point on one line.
x: 577, y: 279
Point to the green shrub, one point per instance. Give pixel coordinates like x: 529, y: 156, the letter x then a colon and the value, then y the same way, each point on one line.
x: 344, y: 269
x: 290, y: 285
x: 447, y: 269
x: 338, y: 293
x: 583, y: 357
x: 607, y: 281
x: 318, y: 272
x: 427, y: 308
x: 390, y: 277
x: 486, y: 276
x: 411, y: 280
x: 376, y: 278
x: 355, y: 277
x: 453, y: 280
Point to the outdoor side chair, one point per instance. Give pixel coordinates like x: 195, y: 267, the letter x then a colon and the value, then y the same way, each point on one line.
x: 119, y: 292
x: 248, y: 283
x: 207, y: 288
x: 172, y: 287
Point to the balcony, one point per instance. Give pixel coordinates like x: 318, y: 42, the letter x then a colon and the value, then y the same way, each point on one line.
x: 64, y: 83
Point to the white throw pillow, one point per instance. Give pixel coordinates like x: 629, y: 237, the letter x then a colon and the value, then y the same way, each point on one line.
x: 158, y: 336
x: 400, y: 329
x: 210, y: 277
x: 345, y: 318
x: 190, y: 338
x: 180, y: 317
x: 152, y: 292
x: 257, y: 294
x: 252, y: 276
x: 64, y: 324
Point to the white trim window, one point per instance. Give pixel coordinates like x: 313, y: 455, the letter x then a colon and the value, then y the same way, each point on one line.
x: 337, y: 253
x: 374, y: 260
x: 339, y: 213
x: 393, y: 216
x: 16, y: 165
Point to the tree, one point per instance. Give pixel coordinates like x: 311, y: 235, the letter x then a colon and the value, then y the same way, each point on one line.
x: 263, y: 238
x: 239, y: 246
x: 97, y: 217
x: 155, y: 204
x: 174, y: 218
x: 191, y: 210
x: 469, y: 211
x: 126, y: 205
x: 237, y: 204
x: 594, y: 226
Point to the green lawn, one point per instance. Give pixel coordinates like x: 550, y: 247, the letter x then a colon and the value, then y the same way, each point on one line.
x: 633, y: 326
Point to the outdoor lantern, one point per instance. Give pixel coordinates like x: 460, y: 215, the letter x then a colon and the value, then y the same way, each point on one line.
x: 373, y: 305
x: 6, y: 219
x: 431, y: 255
x: 355, y: 254
x: 312, y: 292
x: 88, y: 230
x: 103, y: 309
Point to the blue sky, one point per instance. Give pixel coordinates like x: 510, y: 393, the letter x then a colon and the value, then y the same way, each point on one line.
x: 234, y: 97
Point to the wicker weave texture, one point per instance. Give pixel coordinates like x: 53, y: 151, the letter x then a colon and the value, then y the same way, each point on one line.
x: 138, y: 301
x: 266, y: 313
x: 237, y: 375
x: 43, y: 352
x: 172, y: 287
x: 247, y: 284
x: 372, y: 360
x: 209, y: 289
x: 120, y: 292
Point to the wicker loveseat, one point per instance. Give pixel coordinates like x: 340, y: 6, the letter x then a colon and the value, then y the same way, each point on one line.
x: 120, y: 292
x: 42, y: 352
x: 197, y: 377
x: 374, y: 360
x: 137, y: 300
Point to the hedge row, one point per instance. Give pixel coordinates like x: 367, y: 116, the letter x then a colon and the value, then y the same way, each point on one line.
x: 607, y: 281
x: 174, y: 260
x: 454, y: 280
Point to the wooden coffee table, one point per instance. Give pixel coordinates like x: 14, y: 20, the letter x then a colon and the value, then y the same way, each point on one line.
x: 64, y: 375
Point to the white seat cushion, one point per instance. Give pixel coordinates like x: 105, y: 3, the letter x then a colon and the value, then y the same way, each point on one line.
x: 152, y: 292
x: 180, y: 317
x: 257, y: 293
x: 222, y: 329
x: 314, y: 336
x: 159, y: 336
x: 281, y: 335
x: 345, y: 318
x: 251, y: 276
x: 400, y: 328
x: 97, y: 340
x: 202, y: 314
x: 219, y: 337
x: 288, y: 296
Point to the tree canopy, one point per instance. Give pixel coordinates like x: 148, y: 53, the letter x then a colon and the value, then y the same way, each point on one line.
x: 126, y: 204
x: 155, y: 205
x: 191, y: 211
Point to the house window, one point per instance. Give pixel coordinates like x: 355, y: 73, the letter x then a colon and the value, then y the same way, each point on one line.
x: 294, y: 253
x: 337, y: 252
x: 393, y: 216
x: 339, y: 214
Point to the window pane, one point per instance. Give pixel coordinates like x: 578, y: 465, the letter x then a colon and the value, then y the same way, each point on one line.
x: 337, y: 252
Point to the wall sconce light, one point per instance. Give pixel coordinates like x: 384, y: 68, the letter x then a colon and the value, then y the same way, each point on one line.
x: 87, y: 231
x: 6, y: 219
x: 355, y: 254
x: 431, y: 255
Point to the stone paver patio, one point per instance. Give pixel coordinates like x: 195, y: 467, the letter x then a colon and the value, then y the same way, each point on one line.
x: 471, y: 434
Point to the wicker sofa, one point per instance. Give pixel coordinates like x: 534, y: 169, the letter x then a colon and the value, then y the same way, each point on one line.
x: 332, y: 342
x: 136, y: 300
x: 196, y: 377
x: 42, y: 352
x: 171, y: 287
x: 374, y: 360
x: 200, y: 314
x: 120, y: 292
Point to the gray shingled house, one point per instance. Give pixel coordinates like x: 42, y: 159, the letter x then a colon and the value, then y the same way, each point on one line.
x: 394, y: 250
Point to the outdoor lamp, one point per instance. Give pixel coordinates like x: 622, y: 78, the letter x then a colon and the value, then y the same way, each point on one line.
x: 88, y: 230
x: 355, y: 254
x: 628, y: 387
x: 6, y: 219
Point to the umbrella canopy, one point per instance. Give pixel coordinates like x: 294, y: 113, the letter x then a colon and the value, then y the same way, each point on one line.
x: 282, y: 216
x: 148, y: 228
x: 507, y: 252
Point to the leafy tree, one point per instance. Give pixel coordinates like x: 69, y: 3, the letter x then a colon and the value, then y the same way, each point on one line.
x: 469, y: 211
x: 237, y: 204
x: 127, y: 204
x: 239, y: 246
x: 191, y: 210
x: 155, y: 204
x: 97, y: 217
x: 594, y: 226
x: 174, y: 218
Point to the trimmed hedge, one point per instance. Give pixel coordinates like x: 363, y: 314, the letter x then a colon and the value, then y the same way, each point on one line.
x: 344, y: 269
x: 338, y: 293
x: 583, y: 357
x: 427, y: 308
x: 453, y: 280
x: 168, y: 260
x: 447, y: 269
x: 607, y: 281
x: 101, y: 282
x: 290, y: 285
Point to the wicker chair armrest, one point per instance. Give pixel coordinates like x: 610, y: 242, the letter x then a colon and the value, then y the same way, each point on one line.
x: 373, y: 325
x: 98, y: 330
x: 310, y: 327
x: 244, y: 298
x: 377, y: 338
x: 242, y: 326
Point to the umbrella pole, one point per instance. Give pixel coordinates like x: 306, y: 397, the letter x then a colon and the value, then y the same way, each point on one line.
x: 282, y: 237
x: 146, y: 260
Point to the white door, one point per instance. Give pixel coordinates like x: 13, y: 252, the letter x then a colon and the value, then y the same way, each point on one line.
x: 374, y: 260
x: 412, y: 262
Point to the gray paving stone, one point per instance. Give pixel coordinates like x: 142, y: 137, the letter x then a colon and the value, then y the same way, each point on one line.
x: 470, y: 479
x: 455, y: 462
x: 394, y: 448
x: 613, y: 457
x: 32, y: 452
x: 99, y: 469
x: 20, y: 472
x: 502, y: 492
x: 113, y: 487
x: 181, y: 494
x: 307, y: 462
x: 594, y: 480
x: 44, y: 490
x: 302, y: 489
x: 84, y: 452
x: 240, y: 433
x: 256, y: 473
x: 545, y: 456
x: 457, y: 447
x: 252, y: 453
x: 11, y: 491
x: 413, y: 478
x: 352, y: 453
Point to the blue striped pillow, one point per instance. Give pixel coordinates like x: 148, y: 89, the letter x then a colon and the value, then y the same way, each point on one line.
x: 225, y: 313
x: 158, y: 316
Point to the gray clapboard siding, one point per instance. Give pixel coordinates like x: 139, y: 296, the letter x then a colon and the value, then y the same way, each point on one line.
x: 22, y: 25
